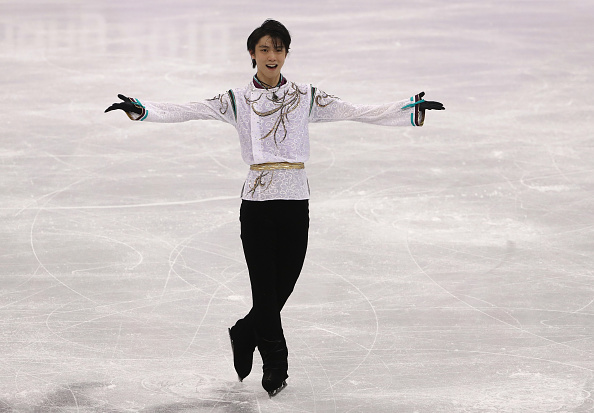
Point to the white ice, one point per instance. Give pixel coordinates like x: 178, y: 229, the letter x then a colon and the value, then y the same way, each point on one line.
x: 450, y: 267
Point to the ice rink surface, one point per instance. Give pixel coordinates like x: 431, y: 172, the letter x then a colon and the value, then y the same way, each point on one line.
x: 450, y: 267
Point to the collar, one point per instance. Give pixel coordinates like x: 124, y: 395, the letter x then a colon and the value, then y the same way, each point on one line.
x: 259, y: 85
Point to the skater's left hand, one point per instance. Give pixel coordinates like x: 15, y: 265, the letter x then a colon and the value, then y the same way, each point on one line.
x: 429, y: 105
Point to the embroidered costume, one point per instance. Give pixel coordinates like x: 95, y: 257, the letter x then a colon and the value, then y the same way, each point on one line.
x: 272, y: 125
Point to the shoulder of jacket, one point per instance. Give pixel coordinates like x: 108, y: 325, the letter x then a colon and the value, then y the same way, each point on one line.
x: 300, y: 86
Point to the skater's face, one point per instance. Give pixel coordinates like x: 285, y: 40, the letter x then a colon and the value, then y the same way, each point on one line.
x: 270, y: 58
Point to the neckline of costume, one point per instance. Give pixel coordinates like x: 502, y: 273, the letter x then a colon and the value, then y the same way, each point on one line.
x: 258, y: 84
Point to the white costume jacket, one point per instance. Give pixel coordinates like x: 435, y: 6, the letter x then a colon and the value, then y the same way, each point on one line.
x: 276, y: 130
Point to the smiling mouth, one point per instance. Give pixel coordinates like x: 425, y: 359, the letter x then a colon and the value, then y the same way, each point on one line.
x: 272, y: 66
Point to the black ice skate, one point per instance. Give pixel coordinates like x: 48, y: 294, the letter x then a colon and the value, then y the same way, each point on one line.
x: 243, y: 344
x: 274, y: 356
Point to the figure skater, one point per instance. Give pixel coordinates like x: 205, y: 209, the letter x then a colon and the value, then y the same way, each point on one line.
x: 271, y: 115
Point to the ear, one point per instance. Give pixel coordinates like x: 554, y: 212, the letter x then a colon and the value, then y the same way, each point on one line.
x: 252, y: 54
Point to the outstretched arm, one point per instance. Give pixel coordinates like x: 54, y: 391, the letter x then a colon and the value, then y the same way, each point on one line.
x: 221, y: 107
x: 328, y: 108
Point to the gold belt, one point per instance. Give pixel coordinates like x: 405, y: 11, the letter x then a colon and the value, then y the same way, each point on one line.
x: 270, y: 166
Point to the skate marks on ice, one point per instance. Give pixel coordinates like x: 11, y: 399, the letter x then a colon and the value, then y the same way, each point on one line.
x: 200, y: 392
x: 518, y: 392
x: 77, y: 396
x: 484, y: 302
x: 522, y: 391
x: 483, y: 320
x: 534, y: 392
x: 185, y: 393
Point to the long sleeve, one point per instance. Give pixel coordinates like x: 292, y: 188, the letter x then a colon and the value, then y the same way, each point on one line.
x: 328, y: 108
x: 221, y: 107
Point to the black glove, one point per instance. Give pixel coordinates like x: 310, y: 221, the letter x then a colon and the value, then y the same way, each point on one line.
x: 128, y: 105
x: 429, y: 105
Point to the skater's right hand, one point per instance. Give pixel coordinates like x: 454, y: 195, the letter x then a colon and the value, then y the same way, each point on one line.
x: 128, y: 105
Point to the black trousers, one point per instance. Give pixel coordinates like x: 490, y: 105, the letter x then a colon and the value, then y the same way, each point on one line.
x: 274, y: 236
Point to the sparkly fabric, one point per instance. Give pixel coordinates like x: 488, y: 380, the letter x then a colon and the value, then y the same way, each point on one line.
x: 276, y: 130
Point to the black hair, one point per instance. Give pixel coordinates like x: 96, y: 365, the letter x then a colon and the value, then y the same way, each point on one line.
x: 271, y: 28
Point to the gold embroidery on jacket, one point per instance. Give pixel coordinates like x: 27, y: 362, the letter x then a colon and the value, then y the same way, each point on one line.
x: 324, y: 95
x: 284, y: 105
x: 224, y: 105
x: 259, y: 182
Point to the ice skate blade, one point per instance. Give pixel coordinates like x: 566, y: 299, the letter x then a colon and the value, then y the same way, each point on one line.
x: 273, y: 393
x: 233, y: 351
